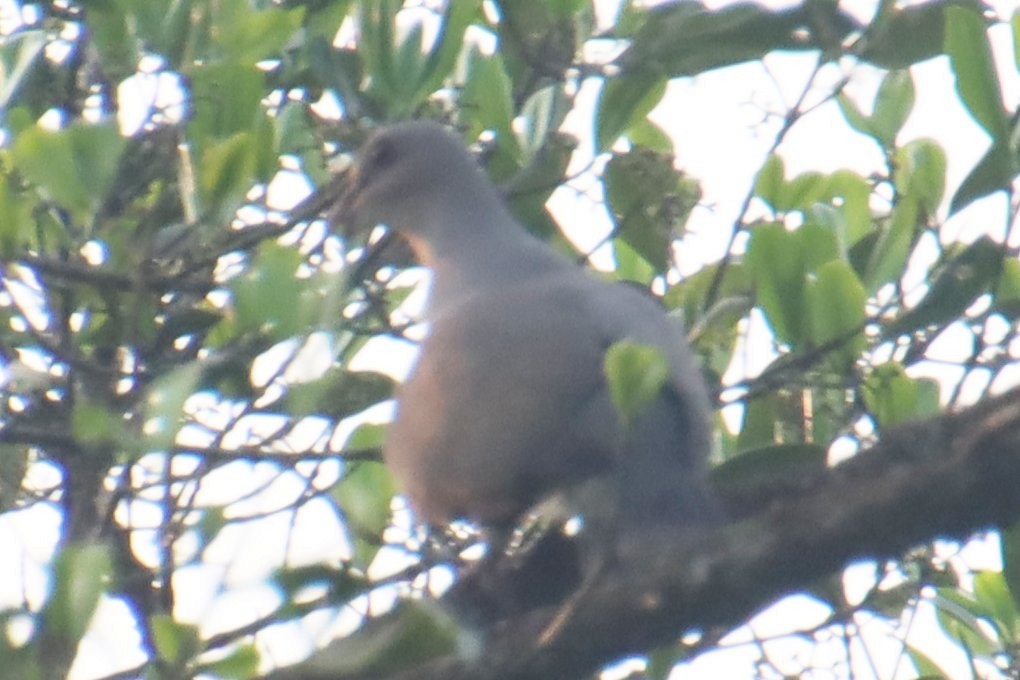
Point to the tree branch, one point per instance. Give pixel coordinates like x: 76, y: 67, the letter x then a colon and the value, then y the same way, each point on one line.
x: 944, y: 477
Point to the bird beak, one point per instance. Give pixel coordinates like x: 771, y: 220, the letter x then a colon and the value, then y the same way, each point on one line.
x: 334, y: 202
x: 327, y: 201
x: 343, y: 189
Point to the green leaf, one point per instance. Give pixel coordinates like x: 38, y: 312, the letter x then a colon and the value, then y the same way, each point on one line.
x: 80, y: 575
x: 925, y: 666
x: 541, y: 115
x: 893, y: 104
x: 659, y: 663
x: 529, y: 189
x: 376, y: 21
x: 565, y: 9
x: 854, y: 193
x: 340, y: 583
x: 292, y: 131
x: 209, y: 525
x: 165, y: 404
x: 624, y: 101
x: 776, y: 260
x: 364, y: 494
x: 758, y: 431
x: 977, y: 83
x: 186, y: 321
x: 1009, y: 542
x: 773, y: 463
x: 401, y: 75
x: 895, y: 241
x: 1015, y: 24
x: 342, y: 70
x: 414, y: 633
x: 855, y: 118
x: 770, y: 180
x: 75, y: 166
x: 716, y: 331
x: 226, y: 98
x: 241, y: 663
x: 18, y: 55
x: 249, y: 35
x: 408, y: 71
x: 994, y: 598
x: 112, y: 32
x: 631, y: 266
x: 819, y: 244
x: 921, y: 172
x: 901, y: 37
x: 645, y: 133
x: 15, y: 220
x: 648, y: 199
x: 684, y: 38
x: 228, y: 167
x: 836, y: 300
x: 95, y: 424
x: 339, y: 393
x: 266, y: 296
x: 636, y: 374
x: 799, y: 193
x: 175, y: 642
x: 894, y: 397
x: 448, y: 45
x: 994, y: 172
x: 957, y: 614
x: 323, y: 20
x: 954, y: 287
x: 1007, y: 290
x: 166, y: 29
x: 13, y: 465
x: 365, y: 437
x: 486, y: 103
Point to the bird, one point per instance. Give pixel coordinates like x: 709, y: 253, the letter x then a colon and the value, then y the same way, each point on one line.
x: 508, y: 402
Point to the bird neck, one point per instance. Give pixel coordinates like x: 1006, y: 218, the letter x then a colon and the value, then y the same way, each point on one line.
x: 494, y: 252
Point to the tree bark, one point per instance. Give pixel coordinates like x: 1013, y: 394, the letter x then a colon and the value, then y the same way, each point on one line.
x: 944, y: 477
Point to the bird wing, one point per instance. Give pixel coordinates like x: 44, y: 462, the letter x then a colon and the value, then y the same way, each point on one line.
x: 509, y: 401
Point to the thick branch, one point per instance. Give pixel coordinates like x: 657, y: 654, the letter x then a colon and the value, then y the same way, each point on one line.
x: 948, y: 476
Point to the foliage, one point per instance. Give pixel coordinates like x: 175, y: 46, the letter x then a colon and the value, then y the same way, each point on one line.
x: 177, y: 352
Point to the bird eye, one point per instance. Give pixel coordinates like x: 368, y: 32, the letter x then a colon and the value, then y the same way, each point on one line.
x: 382, y: 155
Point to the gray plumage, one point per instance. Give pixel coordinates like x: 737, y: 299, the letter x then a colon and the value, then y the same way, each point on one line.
x: 508, y: 400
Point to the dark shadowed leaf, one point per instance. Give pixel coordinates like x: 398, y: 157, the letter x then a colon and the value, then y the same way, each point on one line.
x: 901, y: 37
x: 80, y: 575
x: 954, y: 287
x: 970, y: 57
x: 685, y: 38
x: 894, y: 243
x: 339, y: 393
x: 175, y: 642
x: 778, y: 462
x: 413, y: 633
x: 994, y: 172
x: 649, y: 201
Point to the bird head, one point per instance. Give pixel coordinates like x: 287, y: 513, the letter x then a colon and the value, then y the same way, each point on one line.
x: 399, y: 172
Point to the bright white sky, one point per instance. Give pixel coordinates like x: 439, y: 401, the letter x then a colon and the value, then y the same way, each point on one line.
x: 721, y: 136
